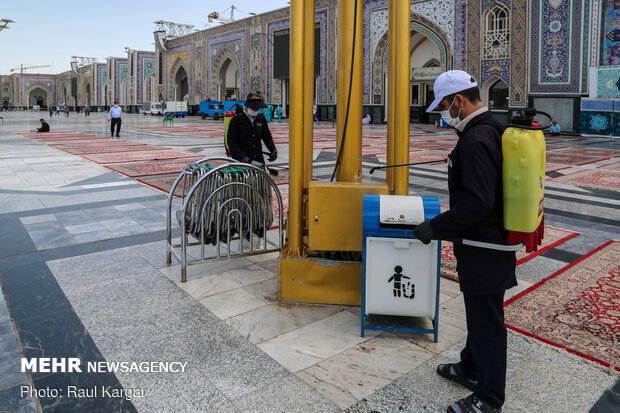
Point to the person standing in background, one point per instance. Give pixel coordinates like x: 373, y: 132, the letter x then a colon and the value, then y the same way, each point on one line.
x: 114, y: 116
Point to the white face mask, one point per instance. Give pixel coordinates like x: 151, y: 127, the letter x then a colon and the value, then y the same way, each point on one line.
x: 446, y: 117
x: 252, y: 112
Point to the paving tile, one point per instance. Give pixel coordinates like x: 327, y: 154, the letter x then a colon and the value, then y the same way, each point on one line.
x: 307, y: 313
x: 129, y: 207
x: 289, y: 395
x: 209, y: 285
x: 11, y: 400
x: 313, y: 343
x: 370, y: 366
x: 37, y: 219
x: 205, y: 268
x: 337, y: 395
x: 261, y: 324
x: 93, y: 268
x: 82, y: 228
x: 232, y: 303
x: 551, y: 388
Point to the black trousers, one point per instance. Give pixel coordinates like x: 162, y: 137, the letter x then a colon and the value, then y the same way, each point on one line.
x: 484, y: 355
x: 115, y: 122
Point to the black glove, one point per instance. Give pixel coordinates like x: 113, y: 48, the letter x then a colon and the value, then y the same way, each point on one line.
x: 273, y: 156
x: 424, y: 232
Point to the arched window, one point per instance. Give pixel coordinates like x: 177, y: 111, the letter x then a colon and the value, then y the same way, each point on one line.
x: 497, y: 33
x: 498, y: 95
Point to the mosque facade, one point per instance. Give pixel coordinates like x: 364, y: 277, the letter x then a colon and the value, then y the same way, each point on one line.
x: 560, y: 56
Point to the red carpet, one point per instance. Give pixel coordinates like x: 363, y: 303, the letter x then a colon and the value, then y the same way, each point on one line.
x: 276, y: 210
x: 595, y: 178
x: 112, y: 149
x: 162, y: 183
x: 138, y: 156
x: 572, y: 158
x: 133, y: 169
x: 576, y: 308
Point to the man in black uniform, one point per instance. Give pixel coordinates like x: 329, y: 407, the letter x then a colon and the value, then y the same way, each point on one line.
x: 45, y: 127
x: 476, y: 213
x: 247, y: 129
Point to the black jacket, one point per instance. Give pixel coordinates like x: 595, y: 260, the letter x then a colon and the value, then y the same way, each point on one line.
x: 244, y: 138
x: 45, y: 127
x: 477, y: 208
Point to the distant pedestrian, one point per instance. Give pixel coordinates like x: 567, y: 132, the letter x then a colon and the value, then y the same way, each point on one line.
x: 86, y: 110
x: 114, y: 115
x: 57, y: 110
x: 366, y: 120
x: 51, y: 112
x: 279, y: 112
x: 268, y: 113
x: 67, y: 110
x: 314, y: 110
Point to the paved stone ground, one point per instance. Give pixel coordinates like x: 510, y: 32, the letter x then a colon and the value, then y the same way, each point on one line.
x: 83, y: 275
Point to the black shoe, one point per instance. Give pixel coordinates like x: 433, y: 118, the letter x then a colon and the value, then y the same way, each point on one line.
x: 453, y: 373
x: 472, y: 404
x: 117, y: 136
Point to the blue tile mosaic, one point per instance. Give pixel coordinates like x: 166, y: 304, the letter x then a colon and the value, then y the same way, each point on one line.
x: 596, y: 123
x: 597, y: 104
x: 608, y: 82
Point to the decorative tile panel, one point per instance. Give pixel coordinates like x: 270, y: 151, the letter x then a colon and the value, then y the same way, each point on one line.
x: 499, y: 68
x: 555, y: 53
x: 518, y: 54
x: 608, y: 82
x: 597, y: 105
x: 230, y: 44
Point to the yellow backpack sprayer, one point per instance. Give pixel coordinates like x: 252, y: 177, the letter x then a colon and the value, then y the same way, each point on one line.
x: 523, y: 149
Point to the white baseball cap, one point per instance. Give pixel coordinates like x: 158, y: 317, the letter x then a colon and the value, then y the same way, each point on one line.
x: 452, y: 81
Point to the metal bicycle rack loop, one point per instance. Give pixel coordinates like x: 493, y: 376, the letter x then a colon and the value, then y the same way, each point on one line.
x: 240, y: 192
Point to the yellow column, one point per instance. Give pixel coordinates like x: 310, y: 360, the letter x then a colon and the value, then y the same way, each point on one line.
x: 390, y: 96
x: 308, y: 93
x: 401, y: 95
x: 349, y: 96
x: 296, y: 113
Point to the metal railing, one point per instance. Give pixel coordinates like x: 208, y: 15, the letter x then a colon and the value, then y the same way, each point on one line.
x: 227, y: 203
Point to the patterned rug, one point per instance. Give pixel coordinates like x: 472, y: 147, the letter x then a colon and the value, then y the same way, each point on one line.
x: 112, y: 149
x: 576, y: 308
x: 138, y: 156
x: 168, y: 166
x: 572, y: 158
x: 163, y: 184
x: 276, y: 210
x: 594, y: 178
x: 553, y: 238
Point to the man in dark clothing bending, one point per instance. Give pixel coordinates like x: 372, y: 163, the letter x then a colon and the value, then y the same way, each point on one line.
x: 476, y: 213
x: 45, y: 127
x: 246, y: 131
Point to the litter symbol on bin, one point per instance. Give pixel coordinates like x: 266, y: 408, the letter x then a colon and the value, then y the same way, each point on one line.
x: 401, y: 288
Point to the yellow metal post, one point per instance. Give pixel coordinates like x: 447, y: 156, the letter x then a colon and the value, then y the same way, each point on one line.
x: 294, y: 224
x: 389, y: 172
x: 401, y: 95
x: 349, y: 96
x: 308, y: 94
